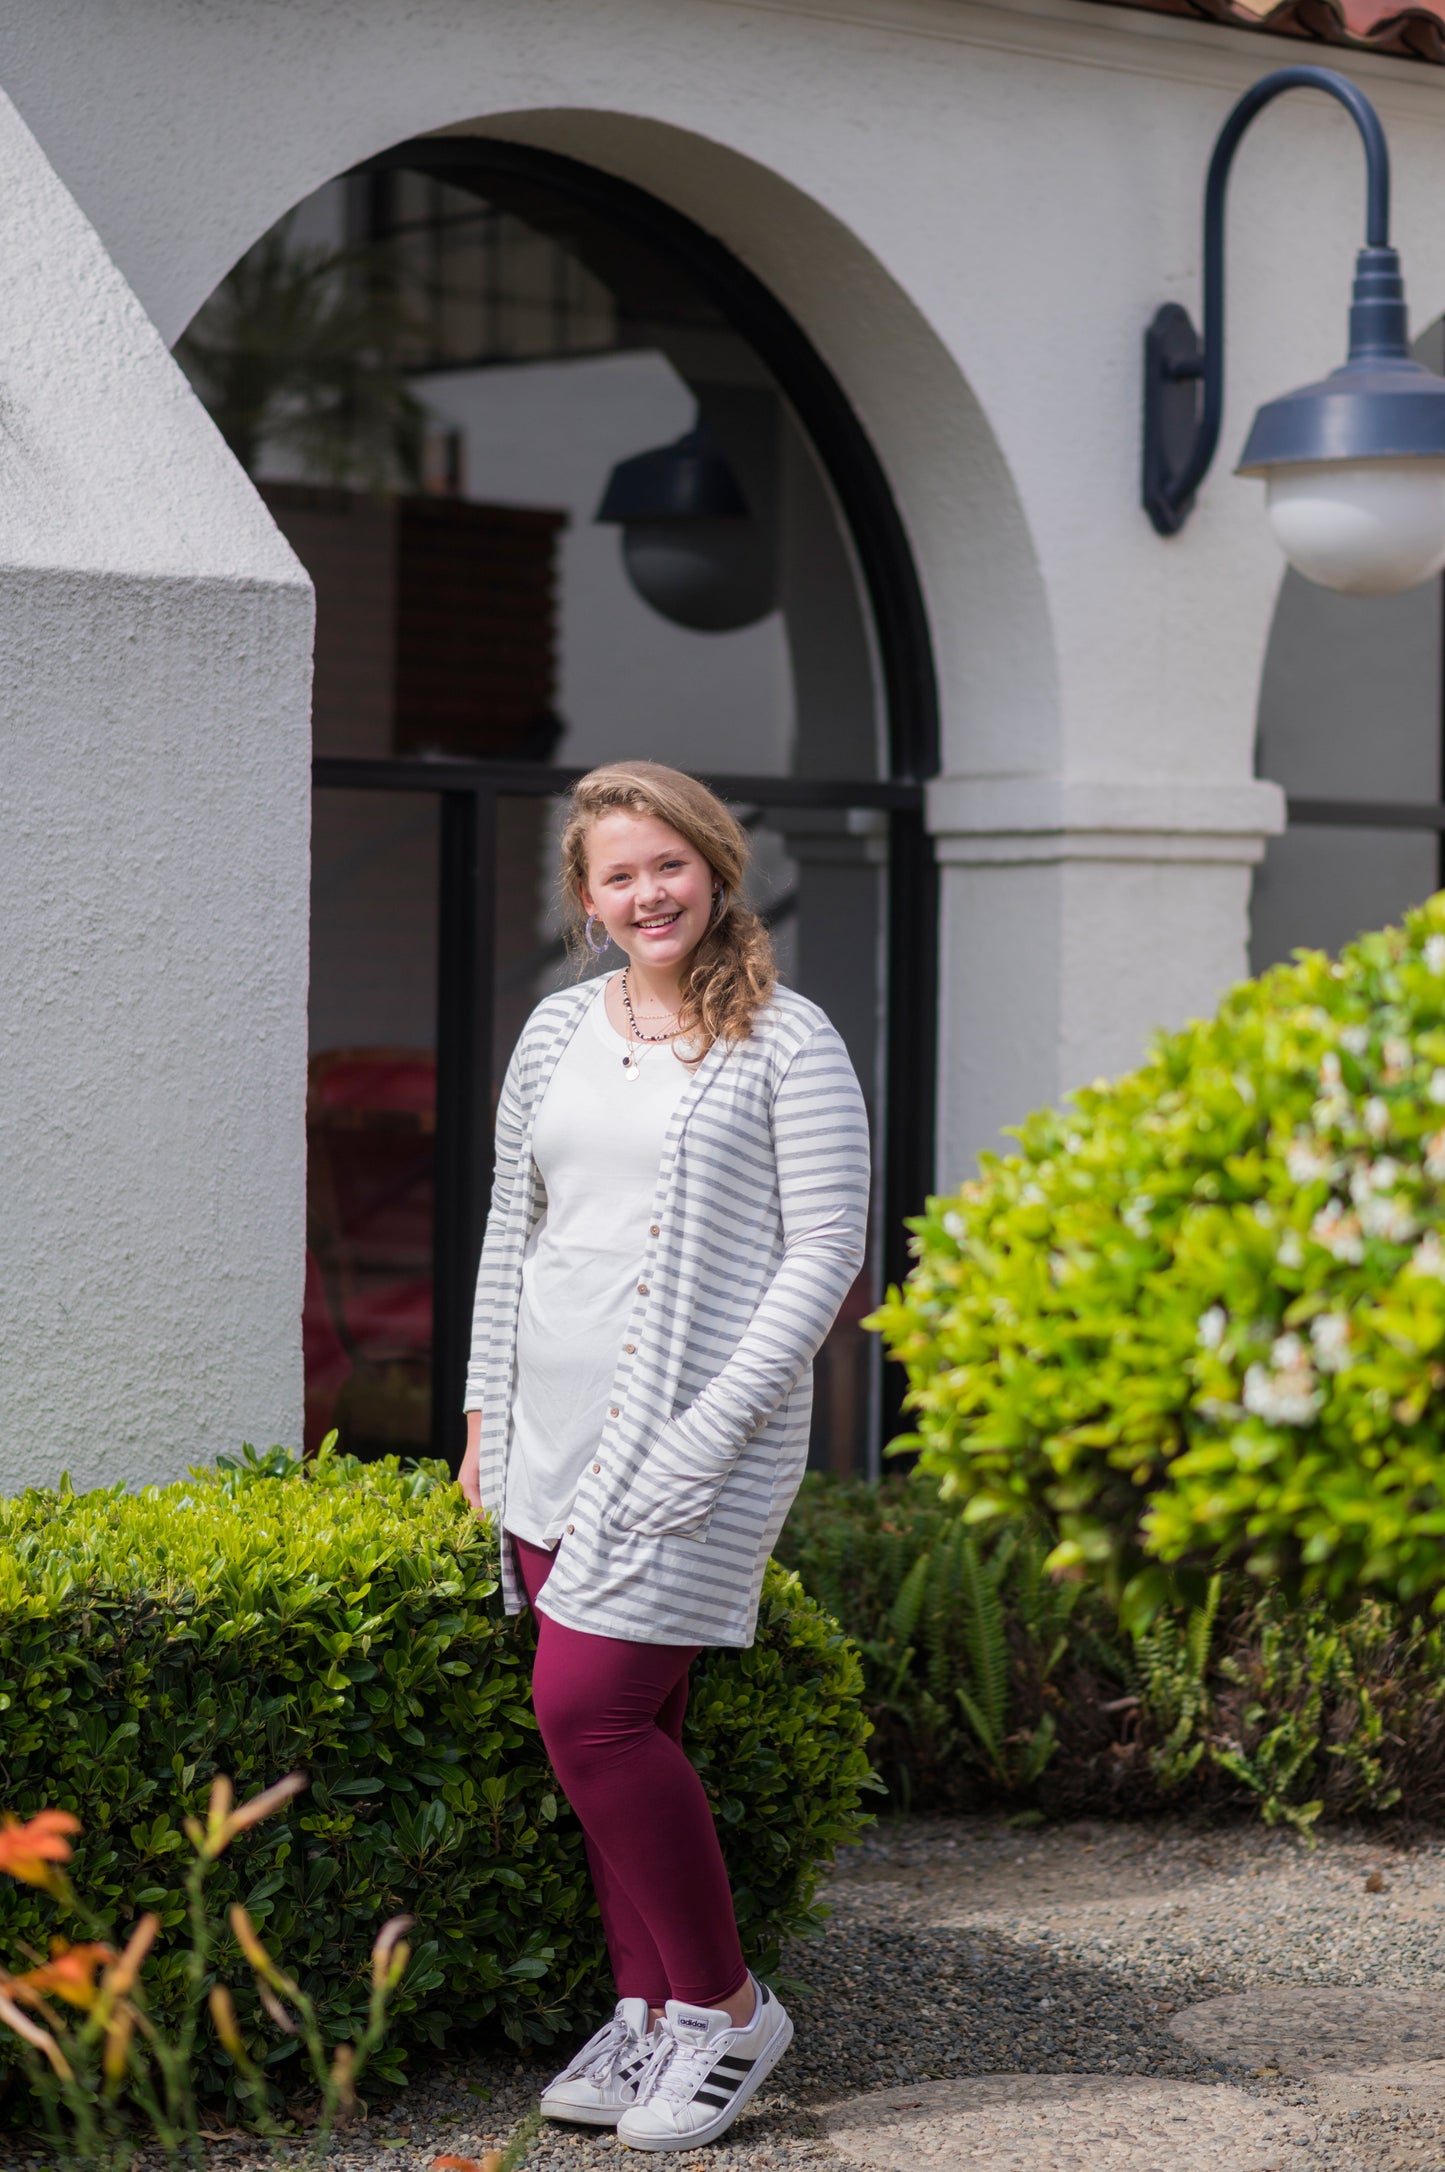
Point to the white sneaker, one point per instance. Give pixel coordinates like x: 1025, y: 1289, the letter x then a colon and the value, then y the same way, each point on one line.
x: 702, y: 2072
x: 602, y: 2080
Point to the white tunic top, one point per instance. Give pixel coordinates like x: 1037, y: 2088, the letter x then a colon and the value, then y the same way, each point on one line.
x: 597, y: 1146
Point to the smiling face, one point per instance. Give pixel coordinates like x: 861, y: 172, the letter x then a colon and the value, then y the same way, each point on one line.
x: 651, y: 889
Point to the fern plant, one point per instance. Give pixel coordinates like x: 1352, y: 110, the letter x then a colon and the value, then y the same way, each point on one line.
x: 1172, y: 1658
x: 959, y: 1637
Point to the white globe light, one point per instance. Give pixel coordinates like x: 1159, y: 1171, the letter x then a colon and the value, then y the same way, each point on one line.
x: 1364, y: 527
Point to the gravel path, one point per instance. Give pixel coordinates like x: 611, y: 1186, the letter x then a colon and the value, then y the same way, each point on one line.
x: 1055, y: 1962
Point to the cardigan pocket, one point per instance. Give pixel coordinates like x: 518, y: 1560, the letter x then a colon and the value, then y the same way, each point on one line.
x: 670, y: 1496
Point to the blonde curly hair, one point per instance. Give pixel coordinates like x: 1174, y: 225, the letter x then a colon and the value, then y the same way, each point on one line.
x: 732, y: 973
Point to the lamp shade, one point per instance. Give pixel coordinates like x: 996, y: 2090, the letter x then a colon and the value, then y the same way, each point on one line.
x: 691, y: 479
x: 1355, y: 465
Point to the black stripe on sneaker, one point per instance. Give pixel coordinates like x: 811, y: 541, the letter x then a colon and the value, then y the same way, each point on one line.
x: 705, y: 2096
x: 731, y: 2059
x: 718, y: 2080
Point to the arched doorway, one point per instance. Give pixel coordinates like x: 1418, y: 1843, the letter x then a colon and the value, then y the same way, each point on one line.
x: 516, y: 606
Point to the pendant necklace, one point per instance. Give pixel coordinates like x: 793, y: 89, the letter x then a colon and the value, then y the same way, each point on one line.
x: 632, y: 1061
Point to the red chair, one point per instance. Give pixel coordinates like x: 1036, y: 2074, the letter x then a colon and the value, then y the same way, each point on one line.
x: 370, y: 1129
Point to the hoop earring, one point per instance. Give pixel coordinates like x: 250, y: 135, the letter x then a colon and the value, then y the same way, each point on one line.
x: 593, y: 945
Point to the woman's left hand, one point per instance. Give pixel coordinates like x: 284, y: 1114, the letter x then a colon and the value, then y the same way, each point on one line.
x: 469, y: 1476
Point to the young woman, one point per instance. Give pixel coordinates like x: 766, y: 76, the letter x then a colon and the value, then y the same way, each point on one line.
x: 681, y: 1192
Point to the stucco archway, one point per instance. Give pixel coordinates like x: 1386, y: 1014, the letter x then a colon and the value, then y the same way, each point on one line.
x: 977, y: 568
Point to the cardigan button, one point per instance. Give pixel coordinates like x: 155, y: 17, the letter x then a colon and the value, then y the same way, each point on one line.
x: 613, y: 1411
x: 630, y: 1348
x: 655, y: 1231
x: 642, y: 1289
x: 595, y: 1469
x: 571, y: 1528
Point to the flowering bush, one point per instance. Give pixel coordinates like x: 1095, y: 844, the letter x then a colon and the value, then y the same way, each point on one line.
x: 1199, y: 1316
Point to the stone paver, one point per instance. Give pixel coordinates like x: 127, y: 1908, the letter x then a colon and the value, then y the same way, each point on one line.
x: 1315, y: 2029
x: 1070, y: 2123
x: 1367, y: 2068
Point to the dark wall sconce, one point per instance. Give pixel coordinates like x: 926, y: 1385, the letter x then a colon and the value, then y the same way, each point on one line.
x: 1354, y: 467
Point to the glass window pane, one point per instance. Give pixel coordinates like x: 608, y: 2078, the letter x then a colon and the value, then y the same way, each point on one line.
x: 371, y: 1122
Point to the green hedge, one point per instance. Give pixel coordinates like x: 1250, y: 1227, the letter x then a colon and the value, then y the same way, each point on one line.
x: 1199, y: 1317
x: 993, y: 1686
x: 343, y: 1619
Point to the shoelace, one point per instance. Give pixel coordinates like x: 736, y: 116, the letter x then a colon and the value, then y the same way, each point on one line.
x: 676, y: 2070
x: 603, y: 2060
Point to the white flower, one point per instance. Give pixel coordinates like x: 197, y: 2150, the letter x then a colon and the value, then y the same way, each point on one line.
x: 1287, y: 1353
x: 1435, y: 1156
x: 1291, y: 1252
x: 1428, y: 1257
x: 1356, y: 1039
x: 1263, y: 1213
x: 1435, y: 953
x: 1369, y: 1177
x: 1398, y: 1056
x: 1135, y: 1216
x: 1288, y: 1396
x: 954, y: 1226
x: 1032, y: 1195
x: 1211, y: 1327
x: 1377, y: 1117
x: 1339, y: 1233
x: 1390, y: 1218
x: 1329, y: 1070
x: 1330, y: 1337
x: 1435, y: 1091
x: 1332, y: 1109
x: 1305, y: 1160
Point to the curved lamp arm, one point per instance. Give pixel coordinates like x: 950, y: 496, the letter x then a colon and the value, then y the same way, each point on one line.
x: 1181, y: 434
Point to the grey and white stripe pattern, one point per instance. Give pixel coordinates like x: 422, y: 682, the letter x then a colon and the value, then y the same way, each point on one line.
x: 757, y: 1233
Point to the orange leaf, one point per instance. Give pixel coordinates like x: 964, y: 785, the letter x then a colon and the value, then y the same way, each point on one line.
x: 27, y: 1850
x: 261, y: 1806
x: 69, y: 1974
x: 116, y: 2057
x: 32, y: 2033
x: 121, y: 1978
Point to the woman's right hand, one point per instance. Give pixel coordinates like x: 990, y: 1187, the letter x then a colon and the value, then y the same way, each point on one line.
x: 469, y: 1476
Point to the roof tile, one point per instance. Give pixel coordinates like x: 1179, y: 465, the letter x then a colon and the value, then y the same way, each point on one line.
x: 1379, y: 26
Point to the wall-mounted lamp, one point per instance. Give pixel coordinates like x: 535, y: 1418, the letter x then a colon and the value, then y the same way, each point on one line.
x: 1354, y: 467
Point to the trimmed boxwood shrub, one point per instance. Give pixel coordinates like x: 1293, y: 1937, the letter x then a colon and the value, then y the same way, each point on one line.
x: 1199, y: 1316
x: 344, y: 1619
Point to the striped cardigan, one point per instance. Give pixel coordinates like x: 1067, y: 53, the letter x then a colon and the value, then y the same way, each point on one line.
x: 755, y: 1237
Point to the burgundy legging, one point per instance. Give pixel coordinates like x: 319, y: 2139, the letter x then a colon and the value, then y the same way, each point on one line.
x: 611, y: 1712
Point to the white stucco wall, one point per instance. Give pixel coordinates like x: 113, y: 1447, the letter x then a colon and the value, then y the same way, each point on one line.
x: 973, y: 209
x: 154, y: 665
